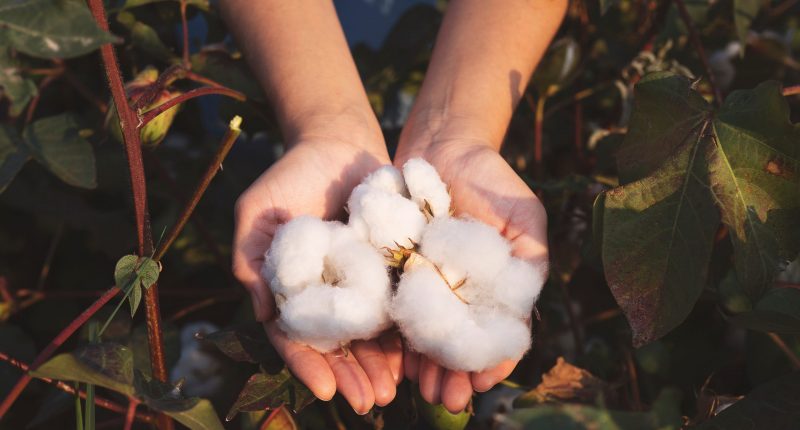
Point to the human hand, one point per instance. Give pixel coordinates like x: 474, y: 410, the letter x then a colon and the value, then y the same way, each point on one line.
x: 484, y: 187
x: 315, y: 177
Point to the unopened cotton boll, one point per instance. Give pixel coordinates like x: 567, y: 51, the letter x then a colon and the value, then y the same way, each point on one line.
x: 334, y: 287
x: 426, y: 187
x: 383, y: 218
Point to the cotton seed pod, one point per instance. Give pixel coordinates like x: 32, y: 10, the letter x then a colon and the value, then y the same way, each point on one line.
x: 156, y: 130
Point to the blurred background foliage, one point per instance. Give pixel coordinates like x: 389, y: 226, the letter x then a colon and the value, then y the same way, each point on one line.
x: 65, y: 217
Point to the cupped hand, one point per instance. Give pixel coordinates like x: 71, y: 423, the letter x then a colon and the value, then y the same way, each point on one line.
x: 315, y: 177
x: 484, y: 187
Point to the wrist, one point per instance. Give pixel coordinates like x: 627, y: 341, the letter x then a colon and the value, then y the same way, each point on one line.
x: 354, y: 127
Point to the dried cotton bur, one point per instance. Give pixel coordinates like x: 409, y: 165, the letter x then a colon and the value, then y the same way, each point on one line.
x: 462, y: 298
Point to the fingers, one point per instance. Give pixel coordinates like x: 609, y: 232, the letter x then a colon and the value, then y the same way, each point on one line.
x: 373, y: 360
x: 351, y: 381
x: 392, y: 346
x: 430, y: 380
x: 456, y: 390
x: 309, y: 366
x: 411, y: 365
x: 483, y: 381
x: 249, y: 244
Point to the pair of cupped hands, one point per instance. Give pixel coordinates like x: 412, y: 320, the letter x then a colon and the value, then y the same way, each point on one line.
x: 315, y: 177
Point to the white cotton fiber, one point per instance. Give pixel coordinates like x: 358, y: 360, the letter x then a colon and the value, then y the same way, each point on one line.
x: 517, y: 286
x: 425, y: 186
x: 335, y: 287
x: 383, y: 218
x: 387, y: 178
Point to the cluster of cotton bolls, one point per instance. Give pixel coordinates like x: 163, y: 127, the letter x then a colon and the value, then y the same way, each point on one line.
x: 462, y: 298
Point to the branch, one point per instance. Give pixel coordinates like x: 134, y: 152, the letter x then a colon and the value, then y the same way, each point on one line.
x: 698, y: 46
x: 793, y: 358
x: 791, y: 91
x: 213, y: 167
x: 53, y: 345
x: 197, y: 92
x: 99, y: 401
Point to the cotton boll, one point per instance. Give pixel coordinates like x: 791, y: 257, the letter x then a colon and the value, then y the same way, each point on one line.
x: 296, y: 255
x: 425, y: 185
x: 518, y: 285
x: 360, y: 266
x: 466, y: 246
x: 385, y: 219
x: 484, y: 342
x: 388, y: 179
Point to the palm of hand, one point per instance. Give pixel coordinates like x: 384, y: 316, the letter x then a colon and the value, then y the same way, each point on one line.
x: 314, y: 178
x: 484, y: 187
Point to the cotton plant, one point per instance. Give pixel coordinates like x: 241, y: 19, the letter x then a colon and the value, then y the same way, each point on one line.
x: 461, y: 299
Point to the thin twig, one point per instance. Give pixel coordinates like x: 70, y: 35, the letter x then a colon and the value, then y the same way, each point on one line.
x: 99, y: 401
x: 634, y: 381
x: 791, y: 91
x: 49, y: 79
x: 53, y: 345
x: 698, y: 46
x: 793, y: 358
x: 149, y: 115
x: 213, y: 167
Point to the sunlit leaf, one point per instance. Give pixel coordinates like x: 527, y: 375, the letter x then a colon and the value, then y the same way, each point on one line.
x: 56, y: 143
x: 265, y: 391
x: 13, y: 155
x: 557, y: 67
x: 133, y: 273
x: 755, y: 173
x: 107, y: 365
x: 50, y: 28
x: 564, y: 382
x: 279, y: 419
x: 193, y: 412
x: 774, y: 405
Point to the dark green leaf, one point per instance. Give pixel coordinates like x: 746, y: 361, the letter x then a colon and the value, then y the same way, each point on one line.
x: 193, y: 412
x: 667, y: 114
x: 13, y: 155
x: 145, y: 38
x: 744, y: 12
x: 18, y: 89
x: 777, y: 311
x: 557, y: 67
x: 774, y: 405
x: 249, y: 343
x: 233, y: 73
x: 665, y: 415
x: 755, y: 174
x: 264, y: 391
x: 105, y: 364
x: 50, y: 28
x: 56, y: 143
x: 657, y: 278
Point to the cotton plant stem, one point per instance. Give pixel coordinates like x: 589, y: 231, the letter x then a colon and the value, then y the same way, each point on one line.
x: 197, y: 92
x: 133, y: 148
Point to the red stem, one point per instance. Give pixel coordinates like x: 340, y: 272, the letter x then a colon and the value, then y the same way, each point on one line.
x: 698, y: 46
x: 53, y: 345
x: 130, y: 415
x: 133, y: 148
x: 197, y: 92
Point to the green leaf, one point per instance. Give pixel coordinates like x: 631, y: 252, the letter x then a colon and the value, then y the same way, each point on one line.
x: 230, y: 72
x: 557, y: 68
x: 193, y: 412
x: 264, y: 391
x: 200, y: 4
x: 657, y: 279
x: 57, y: 144
x: 50, y: 28
x: 667, y: 113
x: 145, y: 38
x: 248, y: 343
x: 133, y: 273
x: 13, y: 155
x: 744, y: 12
x: 755, y: 174
x: 773, y: 405
x: 665, y: 415
x: 778, y: 311
x: 108, y: 365
x: 438, y: 417
x: 18, y: 89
